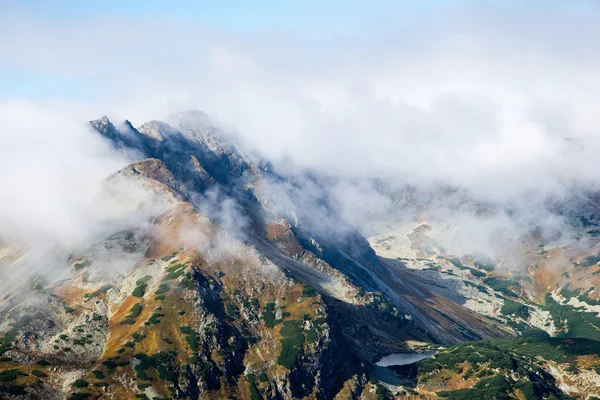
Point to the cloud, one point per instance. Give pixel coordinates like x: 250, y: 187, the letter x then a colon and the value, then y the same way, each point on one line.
x: 497, y: 98
x: 51, y: 170
x: 471, y: 95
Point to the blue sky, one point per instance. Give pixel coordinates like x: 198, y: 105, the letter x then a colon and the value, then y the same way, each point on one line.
x: 231, y: 14
x: 308, y: 18
x: 312, y: 19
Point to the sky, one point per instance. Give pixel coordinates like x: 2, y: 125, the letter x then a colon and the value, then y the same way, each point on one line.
x: 310, y: 19
x: 497, y: 97
x: 232, y: 14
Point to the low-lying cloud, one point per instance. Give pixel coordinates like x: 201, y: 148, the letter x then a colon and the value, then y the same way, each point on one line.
x: 51, y: 171
x: 500, y: 100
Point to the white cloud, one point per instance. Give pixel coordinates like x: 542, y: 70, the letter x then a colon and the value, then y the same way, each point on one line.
x: 478, y: 95
x: 51, y: 170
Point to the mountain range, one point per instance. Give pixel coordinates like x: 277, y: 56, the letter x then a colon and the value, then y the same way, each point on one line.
x: 219, y: 274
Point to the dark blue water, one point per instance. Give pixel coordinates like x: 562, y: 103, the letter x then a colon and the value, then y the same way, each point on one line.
x: 403, y: 358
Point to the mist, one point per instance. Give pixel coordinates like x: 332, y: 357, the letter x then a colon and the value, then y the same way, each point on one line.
x: 490, y: 98
x: 52, y: 167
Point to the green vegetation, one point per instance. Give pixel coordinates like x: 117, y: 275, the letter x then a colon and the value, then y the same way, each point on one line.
x: 458, y: 264
x: 7, y: 341
x: 292, y: 343
x: 508, y: 357
x: 80, y: 383
x: 187, y: 282
x: 222, y: 352
x: 573, y: 322
x: 78, y: 396
x: 110, y: 363
x: 311, y: 335
x: 162, y: 362
x: 231, y: 310
x: 476, y: 273
x: 496, y: 387
x: 163, y: 288
x: 567, y: 293
x: 591, y: 261
x: 154, y: 318
x: 268, y: 315
x: 502, y: 285
x: 513, y: 308
x: 134, y: 312
x: 309, y: 292
x: 585, y: 297
x: 482, y: 289
x: 138, y: 337
x: 82, y: 341
x: 174, y: 272
x: 82, y: 265
x: 98, y: 374
x: 499, y: 387
x: 13, y: 389
x: 142, y: 285
x: 192, y: 338
x: 10, y: 375
x: 499, y: 352
x: 38, y: 373
x: 382, y: 392
x: 573, y: 369
x: 168, y: 258
x: 254, y: 394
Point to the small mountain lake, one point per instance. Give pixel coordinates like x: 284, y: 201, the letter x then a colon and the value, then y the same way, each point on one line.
x: 403, y: 358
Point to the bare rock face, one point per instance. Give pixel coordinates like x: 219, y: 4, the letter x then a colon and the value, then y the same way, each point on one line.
x: 198, y: 126
x: 146, y: 183
x: 204, y: 177
x: 103, y: 125
x: 156, y: 130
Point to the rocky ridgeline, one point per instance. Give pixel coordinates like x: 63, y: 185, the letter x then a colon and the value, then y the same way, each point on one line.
x: 211, y: 286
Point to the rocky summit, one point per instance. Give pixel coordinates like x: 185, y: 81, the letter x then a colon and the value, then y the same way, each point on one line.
x: 217, y: 275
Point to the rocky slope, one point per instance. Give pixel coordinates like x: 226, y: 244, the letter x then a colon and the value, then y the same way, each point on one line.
x: 215, y: 280
x: 535, y: 286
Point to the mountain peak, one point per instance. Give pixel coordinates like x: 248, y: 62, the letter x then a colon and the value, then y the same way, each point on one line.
x: 199, y: 288
x: 155, y: 129
x: 103, y: 125
x: 146, y: 181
